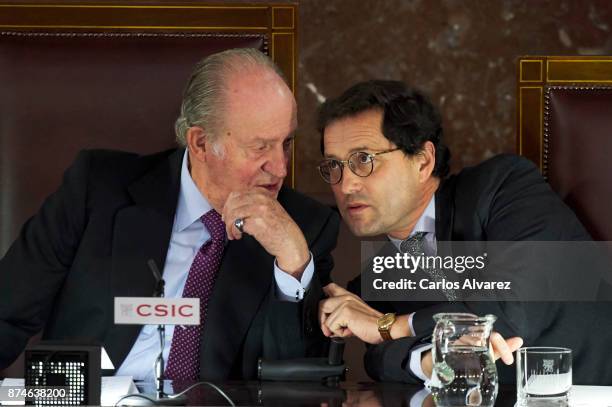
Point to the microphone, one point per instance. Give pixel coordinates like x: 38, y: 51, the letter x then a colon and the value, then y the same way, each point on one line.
x: 161, y: 283
x: 336, y: 351
x: 161, y: 329
x: 331, y: 369
x: 161, y: 311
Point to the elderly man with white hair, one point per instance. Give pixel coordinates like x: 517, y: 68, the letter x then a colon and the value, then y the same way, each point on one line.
x: 213, y: 213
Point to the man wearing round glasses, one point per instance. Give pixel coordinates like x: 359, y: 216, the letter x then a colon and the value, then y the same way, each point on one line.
x: 387, y: 166
x: 360, y: 162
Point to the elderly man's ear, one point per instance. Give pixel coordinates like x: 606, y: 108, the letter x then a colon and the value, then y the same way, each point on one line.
x: 196, y: 142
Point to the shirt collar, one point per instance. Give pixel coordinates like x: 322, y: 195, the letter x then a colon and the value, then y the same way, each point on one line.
x: 426, y: 223
x: 191, y: 203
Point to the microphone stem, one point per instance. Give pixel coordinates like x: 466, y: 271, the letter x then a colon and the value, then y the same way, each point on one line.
x: 159, y: 363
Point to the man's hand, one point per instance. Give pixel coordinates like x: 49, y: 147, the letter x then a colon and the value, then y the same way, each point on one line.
x: 503, y: 348
x: 499, y: 347
x: 345, y: 314
x: 268, y: 222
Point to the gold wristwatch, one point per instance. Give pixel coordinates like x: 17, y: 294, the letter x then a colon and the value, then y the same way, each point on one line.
x: 384, y: 325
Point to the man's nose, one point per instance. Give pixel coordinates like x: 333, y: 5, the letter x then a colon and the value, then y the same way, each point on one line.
x: 277, y: 162
x: 350, y: 183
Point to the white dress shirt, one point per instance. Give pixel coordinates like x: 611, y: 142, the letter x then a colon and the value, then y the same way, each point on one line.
x: 427, y: 224
x: 188, y: 235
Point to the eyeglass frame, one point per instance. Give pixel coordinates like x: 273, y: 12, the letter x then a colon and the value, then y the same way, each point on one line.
x: 344, y: 163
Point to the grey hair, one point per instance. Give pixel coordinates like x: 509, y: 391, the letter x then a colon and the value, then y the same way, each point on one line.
x: 202, y: 103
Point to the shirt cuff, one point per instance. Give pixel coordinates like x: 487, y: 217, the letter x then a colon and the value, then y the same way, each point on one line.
x: 288, y: 288
x: 419, y: 397
x: 410, y: 318
x: 415, y: 362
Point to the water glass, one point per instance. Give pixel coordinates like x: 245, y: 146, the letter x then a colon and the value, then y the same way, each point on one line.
x: 543, y: 376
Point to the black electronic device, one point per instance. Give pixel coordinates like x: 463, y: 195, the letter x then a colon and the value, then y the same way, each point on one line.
x: 329, y: 369
x: 63, y: 373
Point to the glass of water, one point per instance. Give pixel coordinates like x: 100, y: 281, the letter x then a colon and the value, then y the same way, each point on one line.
x: 543, y: 376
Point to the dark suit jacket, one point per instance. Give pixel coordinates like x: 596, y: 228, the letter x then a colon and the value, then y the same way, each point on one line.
x: 504, y: 199
x: 91, y: 240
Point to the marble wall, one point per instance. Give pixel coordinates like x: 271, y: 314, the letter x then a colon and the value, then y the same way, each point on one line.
x: 462, y: 53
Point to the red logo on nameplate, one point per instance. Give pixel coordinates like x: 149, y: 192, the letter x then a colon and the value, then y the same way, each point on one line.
x: 155, y: 311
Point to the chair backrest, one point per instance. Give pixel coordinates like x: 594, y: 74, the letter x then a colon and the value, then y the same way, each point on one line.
x: 79, y: 75
x: 564, y: 112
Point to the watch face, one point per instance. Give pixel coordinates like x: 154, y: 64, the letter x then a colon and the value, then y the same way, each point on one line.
x: 387, y: 319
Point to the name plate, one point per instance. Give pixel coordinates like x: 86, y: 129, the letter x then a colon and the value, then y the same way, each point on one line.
x: 156, y: 311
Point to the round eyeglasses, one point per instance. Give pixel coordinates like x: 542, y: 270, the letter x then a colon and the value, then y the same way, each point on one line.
x: 360, y: 163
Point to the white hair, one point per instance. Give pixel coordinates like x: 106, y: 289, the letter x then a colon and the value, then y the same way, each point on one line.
x: 202, y: 103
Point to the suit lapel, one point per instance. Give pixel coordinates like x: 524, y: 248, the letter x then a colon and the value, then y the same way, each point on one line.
x: 244, y: 280
x: 142, y: 232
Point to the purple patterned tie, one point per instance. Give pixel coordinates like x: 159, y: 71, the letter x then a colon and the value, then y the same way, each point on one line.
x: 184, y: 358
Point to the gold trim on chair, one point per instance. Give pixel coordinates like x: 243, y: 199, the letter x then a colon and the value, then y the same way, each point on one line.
x: 594, y: 71
x: 524, y: 72
x: 521, y: 116
x: 586, y: 72
x: 278, y: 13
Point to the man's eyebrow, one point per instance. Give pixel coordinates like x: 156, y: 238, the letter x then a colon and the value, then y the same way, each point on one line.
x: 360, y: 148
x: 258, y: 141
x: 351, y: 151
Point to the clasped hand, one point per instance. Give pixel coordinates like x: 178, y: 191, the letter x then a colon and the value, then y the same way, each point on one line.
x: 268, y: 222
